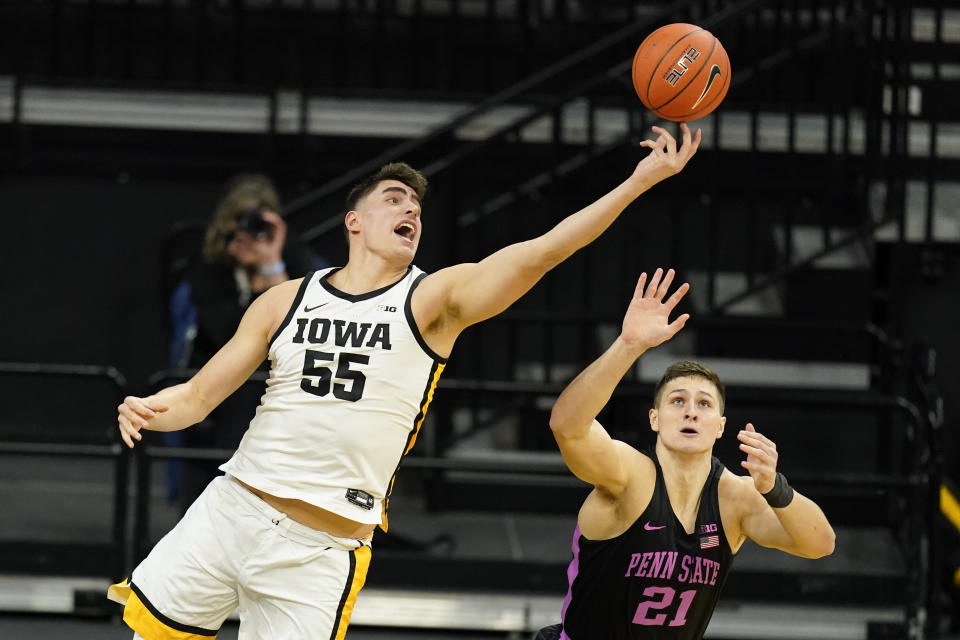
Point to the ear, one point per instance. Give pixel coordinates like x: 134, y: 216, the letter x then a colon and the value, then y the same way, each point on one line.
x: 352, y: 220
x: 723, y: 423
x: 654, y: 421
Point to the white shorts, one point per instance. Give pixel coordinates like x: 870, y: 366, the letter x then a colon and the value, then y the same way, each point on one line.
x: 232, y: 549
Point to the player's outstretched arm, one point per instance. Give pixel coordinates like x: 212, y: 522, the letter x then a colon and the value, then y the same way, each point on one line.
x: 469, y: 293
x: 183, y: 405
x: 587, y: 449
x: 795, y: 523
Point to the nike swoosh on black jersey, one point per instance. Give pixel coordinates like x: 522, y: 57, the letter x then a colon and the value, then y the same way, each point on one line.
x: 307, y: 309
x: 714, y: 74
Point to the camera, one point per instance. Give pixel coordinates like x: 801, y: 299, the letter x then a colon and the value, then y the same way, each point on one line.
x: 251, y: 221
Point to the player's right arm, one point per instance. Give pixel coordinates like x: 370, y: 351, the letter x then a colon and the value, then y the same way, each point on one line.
x: 589, y: 451
x: 186, y: 404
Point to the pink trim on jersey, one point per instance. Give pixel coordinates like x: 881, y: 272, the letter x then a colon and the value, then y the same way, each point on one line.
x: 572, y: 572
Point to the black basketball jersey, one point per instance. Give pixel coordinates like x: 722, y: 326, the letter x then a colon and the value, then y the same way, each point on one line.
x: 653, y: 581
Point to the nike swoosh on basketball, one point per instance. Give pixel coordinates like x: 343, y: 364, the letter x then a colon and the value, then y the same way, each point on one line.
x: 307, y: 309
x: 652, y: 527
x: 714, y: 74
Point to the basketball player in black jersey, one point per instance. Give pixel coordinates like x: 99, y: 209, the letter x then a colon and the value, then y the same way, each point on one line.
x: 657, y: 535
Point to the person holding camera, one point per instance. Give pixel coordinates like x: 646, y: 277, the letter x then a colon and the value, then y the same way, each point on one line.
x: 245, y: 252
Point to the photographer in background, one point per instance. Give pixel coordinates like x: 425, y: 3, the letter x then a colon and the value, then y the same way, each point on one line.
x: 245, y: 252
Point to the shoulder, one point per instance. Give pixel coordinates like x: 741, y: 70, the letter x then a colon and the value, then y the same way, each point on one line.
x: 641, y: 472
x: 734, y: 488
x: 642, y: 463
x: 278, y: 297
x: 441, y: 281
x: 738, y: 496
x: 433, y: 310
x: 604, y: 515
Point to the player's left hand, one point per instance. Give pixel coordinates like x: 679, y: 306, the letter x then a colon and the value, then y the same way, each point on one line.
x: 647, y: 321
x: 761, y: 459
x: 665, y: 159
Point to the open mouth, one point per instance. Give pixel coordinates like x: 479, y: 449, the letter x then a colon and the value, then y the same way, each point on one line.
x: 688, y: 431
x: 405, y: 230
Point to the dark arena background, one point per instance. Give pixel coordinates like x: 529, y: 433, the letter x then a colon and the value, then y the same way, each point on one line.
x: 819, y: 227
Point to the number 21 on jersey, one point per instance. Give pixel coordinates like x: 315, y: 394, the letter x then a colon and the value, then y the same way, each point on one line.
x: 661, y: 598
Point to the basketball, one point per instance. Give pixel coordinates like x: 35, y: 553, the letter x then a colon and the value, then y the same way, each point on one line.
x: 681, y: 72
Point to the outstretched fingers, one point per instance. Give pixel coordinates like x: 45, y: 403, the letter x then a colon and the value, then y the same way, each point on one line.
x: 657, y: 145
x: 654, y: 284
x: 677, y: 296
x: 678, y: 323
x: 691, y: 142
x: 665, y: 285
x: 638, y: 291
x: 671, y: 142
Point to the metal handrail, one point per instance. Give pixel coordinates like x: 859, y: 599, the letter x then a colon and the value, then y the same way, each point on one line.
x: 114, y: 451
x: 70, y: 370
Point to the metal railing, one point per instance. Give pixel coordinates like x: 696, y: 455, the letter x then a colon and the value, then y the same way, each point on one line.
x: 69, y: 557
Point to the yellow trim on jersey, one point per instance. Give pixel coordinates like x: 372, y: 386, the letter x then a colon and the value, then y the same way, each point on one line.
x: 139, y: 618
x: 362, y: 556
x: 119, y: 592
x: 949, y: 506
x: 413, y: 439
x: 426, y: 405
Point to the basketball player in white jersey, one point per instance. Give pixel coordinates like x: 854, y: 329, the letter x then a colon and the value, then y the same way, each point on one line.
x: 355, y: 356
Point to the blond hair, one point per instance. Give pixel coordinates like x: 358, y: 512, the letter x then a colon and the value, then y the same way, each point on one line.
x: 241, y: 192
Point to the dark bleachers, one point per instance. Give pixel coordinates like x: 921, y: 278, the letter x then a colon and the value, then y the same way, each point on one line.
x: 775, y: 224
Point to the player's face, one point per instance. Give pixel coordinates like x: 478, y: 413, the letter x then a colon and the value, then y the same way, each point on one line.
x: 388, y: 218
x: 688, y: 417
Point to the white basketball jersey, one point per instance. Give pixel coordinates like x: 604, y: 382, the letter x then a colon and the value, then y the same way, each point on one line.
x: 350, y: 382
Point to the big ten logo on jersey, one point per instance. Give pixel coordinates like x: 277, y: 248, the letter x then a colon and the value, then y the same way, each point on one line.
x: 386, y: 307
x: 680, y: 66
x: 333, y: 369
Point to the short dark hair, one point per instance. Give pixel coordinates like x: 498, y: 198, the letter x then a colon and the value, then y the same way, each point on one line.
x: 689, y: 369
x: 399, y: 171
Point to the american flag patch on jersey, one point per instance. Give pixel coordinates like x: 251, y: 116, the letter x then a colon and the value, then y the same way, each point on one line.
x: 708, y: 542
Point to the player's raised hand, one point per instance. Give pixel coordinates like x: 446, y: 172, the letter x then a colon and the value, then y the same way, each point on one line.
x: 761, y: 459
x: 665, y: 159
x: 647, y: 321
x: 133, y: 415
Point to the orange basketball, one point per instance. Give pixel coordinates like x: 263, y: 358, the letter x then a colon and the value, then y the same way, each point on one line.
x: 681, y: 72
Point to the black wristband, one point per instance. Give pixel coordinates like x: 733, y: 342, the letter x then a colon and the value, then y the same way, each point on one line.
x: 781, y: 495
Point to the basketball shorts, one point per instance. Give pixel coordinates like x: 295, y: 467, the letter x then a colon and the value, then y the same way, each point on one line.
x: 232, y: 551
